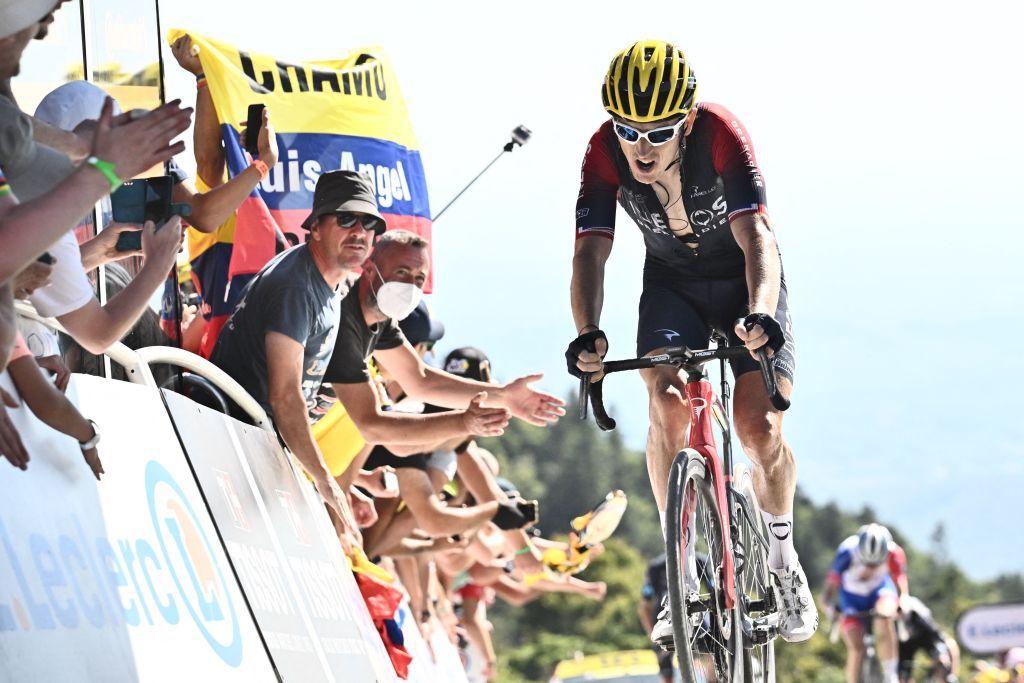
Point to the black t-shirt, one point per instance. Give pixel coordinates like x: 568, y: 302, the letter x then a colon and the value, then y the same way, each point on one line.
x: 381, y: 456
x: 357, y: 341
x: 291, y: 297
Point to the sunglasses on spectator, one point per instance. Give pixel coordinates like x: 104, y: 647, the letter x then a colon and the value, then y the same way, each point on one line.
x: 348, y: 219
x: 656, y: 137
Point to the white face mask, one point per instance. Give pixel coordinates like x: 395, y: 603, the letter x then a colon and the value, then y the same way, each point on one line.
x: 397, y: 300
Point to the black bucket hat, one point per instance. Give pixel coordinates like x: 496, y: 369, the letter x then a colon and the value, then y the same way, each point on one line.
x: 343, y: 191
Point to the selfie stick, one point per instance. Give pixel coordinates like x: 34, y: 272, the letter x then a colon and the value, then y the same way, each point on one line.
x: 520, y: 136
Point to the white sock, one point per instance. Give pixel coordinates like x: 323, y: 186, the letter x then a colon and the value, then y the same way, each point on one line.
x: 661, y: 516
x: 781, y: 553
x: 889, y: 670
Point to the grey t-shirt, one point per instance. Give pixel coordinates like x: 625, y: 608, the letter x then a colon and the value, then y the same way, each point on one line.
x: 291, y: 297
x: 357, y: 341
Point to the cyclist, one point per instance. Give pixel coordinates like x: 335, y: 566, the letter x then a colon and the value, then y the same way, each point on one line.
x: 869, y: 574
x: 685, y: 172
x: 923, y: 634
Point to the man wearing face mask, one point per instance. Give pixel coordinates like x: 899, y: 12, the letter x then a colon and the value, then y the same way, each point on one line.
x: 388, y: 290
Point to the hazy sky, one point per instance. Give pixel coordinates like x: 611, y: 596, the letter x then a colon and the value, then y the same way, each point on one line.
x: 888, y: 134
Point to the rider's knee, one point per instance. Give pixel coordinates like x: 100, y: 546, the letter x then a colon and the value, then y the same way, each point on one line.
x: 761, y: 434
x: 668, y: 407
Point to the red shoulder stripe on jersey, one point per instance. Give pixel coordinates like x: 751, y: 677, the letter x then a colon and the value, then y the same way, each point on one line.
x: 759, y: 208
x: 595, y: 232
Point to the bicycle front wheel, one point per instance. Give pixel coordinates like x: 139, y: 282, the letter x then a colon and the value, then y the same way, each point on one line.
x: 707, y: 634
x: 754, y: 583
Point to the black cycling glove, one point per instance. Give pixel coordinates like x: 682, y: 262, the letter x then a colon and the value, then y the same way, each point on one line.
x: 509, y: 517
x: 584, y: 342
x: 770, y: 326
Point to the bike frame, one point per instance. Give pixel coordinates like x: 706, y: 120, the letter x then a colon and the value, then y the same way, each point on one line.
x: 700, y: 396
x: 702, y: 405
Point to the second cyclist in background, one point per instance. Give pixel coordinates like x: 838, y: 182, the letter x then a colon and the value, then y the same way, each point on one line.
x: 685, y: 172
x: 869, y: 574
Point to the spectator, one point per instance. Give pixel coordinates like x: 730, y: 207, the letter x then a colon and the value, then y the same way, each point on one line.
x: 211, y: 243
x: 70, y: 297
x: 120, y: 147
x: 51, y: 406
x: 654, y: 593
x: 279, y: 338
x: 386, y: 292
x: 474, y: 464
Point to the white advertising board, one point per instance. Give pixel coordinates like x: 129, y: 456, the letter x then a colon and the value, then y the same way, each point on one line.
x: 287, y: 555
x: 120, y: 580
x: 991, y: 628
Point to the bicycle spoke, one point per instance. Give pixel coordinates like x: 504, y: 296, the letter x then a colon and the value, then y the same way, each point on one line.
x: 706, y: 633
x: 754, y: 589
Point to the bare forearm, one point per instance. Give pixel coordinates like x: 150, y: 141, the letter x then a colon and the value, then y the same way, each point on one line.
x: 443, y: 389
x: 587, y: 289
x: 764, y: 271
x: 26, y: 230
x: 96, y: 328
x: 410, y: 430
x: 51, y: 406
x: 67, y: 142
x: 447, y: 521
x: 480, y: 483
x: 93, y: 253
x: 290, y: 417
x: 206, y: 141
x: 210, y: 209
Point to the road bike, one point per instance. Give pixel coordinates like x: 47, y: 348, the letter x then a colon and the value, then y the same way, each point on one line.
x: 724, y: 628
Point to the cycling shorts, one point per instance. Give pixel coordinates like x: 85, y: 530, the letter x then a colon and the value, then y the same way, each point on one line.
x: 852, y: 603
x: 681, y: 312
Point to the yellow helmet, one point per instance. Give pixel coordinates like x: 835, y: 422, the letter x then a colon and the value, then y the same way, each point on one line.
x: 648, y: 81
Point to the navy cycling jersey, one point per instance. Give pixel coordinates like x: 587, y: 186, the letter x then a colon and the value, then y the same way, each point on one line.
x: 721, y: 181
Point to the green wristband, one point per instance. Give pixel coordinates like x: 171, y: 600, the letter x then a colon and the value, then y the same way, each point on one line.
x: 107, y: 169
x: 523, y: 551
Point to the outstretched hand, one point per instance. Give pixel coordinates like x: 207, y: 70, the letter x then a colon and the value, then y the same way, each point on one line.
x: 11, y: 446
x: 484, y: 421
x: 134, y: 143
x: 536, y: 407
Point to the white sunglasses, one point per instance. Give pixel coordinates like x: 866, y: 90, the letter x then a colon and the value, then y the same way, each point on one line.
x: 656, y: 137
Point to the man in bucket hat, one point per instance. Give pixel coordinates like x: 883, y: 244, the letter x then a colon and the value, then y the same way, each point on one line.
x: 280, y: 336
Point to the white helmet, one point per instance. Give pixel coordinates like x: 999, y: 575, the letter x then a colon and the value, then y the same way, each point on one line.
x: 873, y: 542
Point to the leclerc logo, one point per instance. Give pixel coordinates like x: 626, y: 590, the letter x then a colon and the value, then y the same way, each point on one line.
x: 190, y: 559
x: 63, y: 575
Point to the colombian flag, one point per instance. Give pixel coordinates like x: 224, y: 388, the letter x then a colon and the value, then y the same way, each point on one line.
x: 347, y: 113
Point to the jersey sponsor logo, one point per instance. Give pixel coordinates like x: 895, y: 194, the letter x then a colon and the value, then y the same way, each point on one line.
x: 710, y: 219
x: 669, y: 334
x: 697, y: 192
